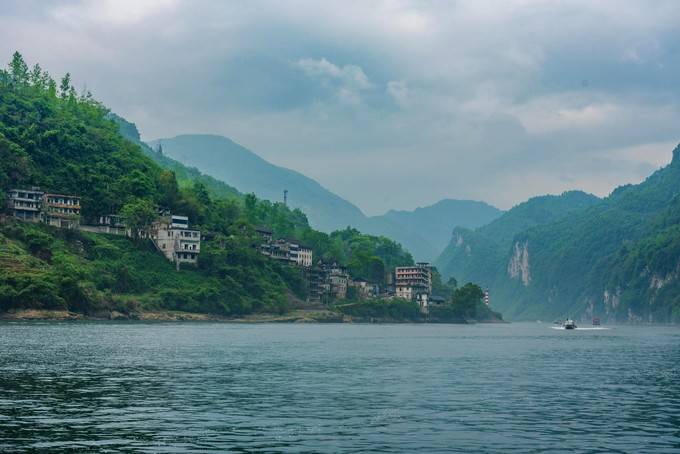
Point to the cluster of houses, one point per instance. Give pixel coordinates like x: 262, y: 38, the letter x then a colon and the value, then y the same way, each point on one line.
x: 173, y: 237
x: 171, y: 234
x: 330, y: 282
x: 34, y: 205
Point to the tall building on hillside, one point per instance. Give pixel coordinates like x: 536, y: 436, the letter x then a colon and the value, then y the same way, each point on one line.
x: 173, y: 237
x: 413, y: 282
x: 61, y: 210
x: 25, y: 204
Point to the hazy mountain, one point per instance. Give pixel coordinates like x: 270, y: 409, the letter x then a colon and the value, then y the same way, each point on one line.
x: 617, y: 258
x: 424, y: 231
x: 228, y: 161
x: 427, y: 230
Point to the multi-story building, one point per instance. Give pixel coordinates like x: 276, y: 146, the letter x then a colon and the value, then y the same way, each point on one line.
x: 173, y: 237
x: 414, y: 282
x: 289, y: 251
x: 300, y: 254
x: 60, y: 210
x: 25, y: 204
x: 314, y: 277
x: 337, y: 280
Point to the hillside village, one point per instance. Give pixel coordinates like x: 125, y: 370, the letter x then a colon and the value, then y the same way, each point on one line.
x: 172, y: 236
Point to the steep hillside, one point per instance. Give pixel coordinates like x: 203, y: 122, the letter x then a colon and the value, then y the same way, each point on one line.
x: 228, y: 161
x: 479, y: 252
x: 68, y: 143
x: 424, y: 231
x: 617, y: 259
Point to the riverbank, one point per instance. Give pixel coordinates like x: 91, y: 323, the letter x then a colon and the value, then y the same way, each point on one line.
x: 294, y: 316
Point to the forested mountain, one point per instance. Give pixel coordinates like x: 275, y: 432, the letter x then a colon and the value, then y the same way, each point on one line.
x: 228, y: 161
x: 424, y: 231
x: 64, y: 142
x: 617, y: 259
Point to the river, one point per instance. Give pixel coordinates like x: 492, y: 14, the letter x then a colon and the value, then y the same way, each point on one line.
x: 216, y: 387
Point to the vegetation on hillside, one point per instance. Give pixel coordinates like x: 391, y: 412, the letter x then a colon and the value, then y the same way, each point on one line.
x: 616, y: 259
x: 62, y: 141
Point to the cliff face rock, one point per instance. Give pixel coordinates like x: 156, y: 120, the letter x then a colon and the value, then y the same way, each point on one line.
x: 518, y: 267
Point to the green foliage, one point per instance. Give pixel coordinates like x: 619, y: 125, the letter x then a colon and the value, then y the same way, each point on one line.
x: 138, y: 214
x: 466, y: 305
x: 383, y: 310
x: 617, y: 259
x: 71, y: 144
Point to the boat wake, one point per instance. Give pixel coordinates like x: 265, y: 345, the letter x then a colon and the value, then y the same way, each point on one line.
x: 590, y: 328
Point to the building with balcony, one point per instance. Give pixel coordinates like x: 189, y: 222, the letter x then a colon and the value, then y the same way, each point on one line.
x: 288, y: 251
x: 414, y: 283
x: 172, y: 236
x: 60, y: 210
x: 25, y: 204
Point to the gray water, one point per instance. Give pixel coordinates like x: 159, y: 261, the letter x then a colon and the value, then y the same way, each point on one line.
x: 199, y: 387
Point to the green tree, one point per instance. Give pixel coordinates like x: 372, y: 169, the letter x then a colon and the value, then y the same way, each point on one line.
x: 138, y: 214
x: 18, y: 69
x: 65, y: 87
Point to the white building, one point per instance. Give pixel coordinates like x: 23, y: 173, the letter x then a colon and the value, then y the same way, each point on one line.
x: 173, y: 237
x: 301, y: 255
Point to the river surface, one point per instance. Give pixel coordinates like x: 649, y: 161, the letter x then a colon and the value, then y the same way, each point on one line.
x: 210, y: 387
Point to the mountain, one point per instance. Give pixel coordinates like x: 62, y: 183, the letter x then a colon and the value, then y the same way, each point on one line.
x: 228, y: 161
x: 426, y: 231
x: 617, y: 258
x: 71, y: 144
x: 481, y: 252
x: 423, y: 231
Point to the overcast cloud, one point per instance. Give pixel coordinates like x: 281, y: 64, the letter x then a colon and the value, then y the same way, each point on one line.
x: 390, y: 104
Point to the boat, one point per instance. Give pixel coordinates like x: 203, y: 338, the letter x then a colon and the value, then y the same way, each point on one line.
x: 569, y: 324
x: 596, y: 321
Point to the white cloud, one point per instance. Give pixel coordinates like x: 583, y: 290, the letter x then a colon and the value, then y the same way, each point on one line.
x: 489, y: 96
x: 110, y: 12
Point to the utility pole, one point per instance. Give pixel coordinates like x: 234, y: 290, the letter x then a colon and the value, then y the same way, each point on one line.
x: 285, y: 197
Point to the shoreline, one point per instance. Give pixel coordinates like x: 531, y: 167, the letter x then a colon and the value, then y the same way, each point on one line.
x: 294, y: 316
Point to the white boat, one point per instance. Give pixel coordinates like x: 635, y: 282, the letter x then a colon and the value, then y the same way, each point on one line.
x: 569, y: 324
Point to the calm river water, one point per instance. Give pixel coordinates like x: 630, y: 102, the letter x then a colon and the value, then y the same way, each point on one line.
x: 203, y: 387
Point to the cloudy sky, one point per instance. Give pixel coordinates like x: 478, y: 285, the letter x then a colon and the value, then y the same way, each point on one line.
x: 391, y: 104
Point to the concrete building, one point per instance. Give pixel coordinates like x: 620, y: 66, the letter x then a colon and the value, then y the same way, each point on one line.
x: 25, y: 204
x: 300, y: 254
x: 414, y: 283
x: 60, y: 210
x: 173, y: 237
x: 337, y: 280
x: 418, y: 277
x: 289, y: 251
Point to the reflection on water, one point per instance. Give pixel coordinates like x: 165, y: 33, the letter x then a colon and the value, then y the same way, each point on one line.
x: 307, y: 388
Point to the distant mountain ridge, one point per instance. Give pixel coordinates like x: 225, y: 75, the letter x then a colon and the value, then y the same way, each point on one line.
x: 424, y: 232
x: 434, y: 224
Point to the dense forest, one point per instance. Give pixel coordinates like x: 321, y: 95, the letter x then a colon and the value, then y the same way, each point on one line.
x: 617, y: 259
x: 68, y: 142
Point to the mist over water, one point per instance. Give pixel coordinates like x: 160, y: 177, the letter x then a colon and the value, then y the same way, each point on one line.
x: 205, y: 387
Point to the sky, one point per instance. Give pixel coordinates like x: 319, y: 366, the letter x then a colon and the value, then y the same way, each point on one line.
x: 389, y: 104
